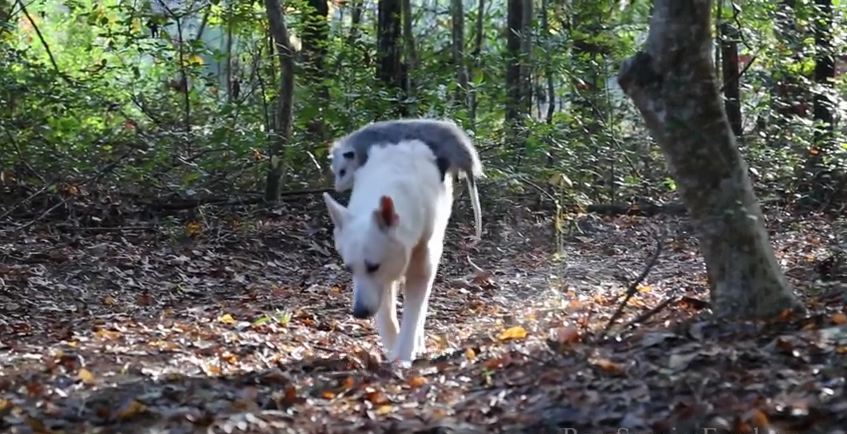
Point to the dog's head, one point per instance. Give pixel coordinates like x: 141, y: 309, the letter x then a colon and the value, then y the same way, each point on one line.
x: 343, y: 164
x: 371, y: 250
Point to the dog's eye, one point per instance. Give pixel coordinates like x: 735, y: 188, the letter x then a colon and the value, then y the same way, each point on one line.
x: 371, y: 268
x: 342, y: 172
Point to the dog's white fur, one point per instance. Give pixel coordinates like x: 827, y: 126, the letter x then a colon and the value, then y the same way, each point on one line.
x: 396, y: 218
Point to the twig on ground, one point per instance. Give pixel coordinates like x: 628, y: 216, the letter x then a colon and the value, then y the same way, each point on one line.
x: 633, y: 288
x: 647, y: 315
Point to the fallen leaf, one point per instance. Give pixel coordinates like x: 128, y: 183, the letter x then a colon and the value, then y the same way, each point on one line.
x: 130, y: 409
x: 516, y: 332
x: 328, y: 394
x: 839, y: 318
x: 608, y: 366
x: 348, y: 383
x: 644, y: 288
x: 384, y: 409
x: 565, y: 335
x: 226, y: 319
x: 86, y: 376
x: 109, y: 300
x: 377, y: 397
x: 417, y: 381
x: 470, y: 354
x: 498, y: 362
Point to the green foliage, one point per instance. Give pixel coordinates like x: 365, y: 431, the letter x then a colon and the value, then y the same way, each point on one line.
x: 116, y: 95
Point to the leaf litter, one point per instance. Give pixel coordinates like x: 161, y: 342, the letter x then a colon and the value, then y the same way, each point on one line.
x: 250, y: 331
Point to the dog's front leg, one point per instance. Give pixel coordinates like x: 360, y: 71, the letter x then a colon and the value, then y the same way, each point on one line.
x: 419, y: 279
x: 386, y: 319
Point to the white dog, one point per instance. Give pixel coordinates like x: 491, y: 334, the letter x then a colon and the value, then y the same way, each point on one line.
x: 393, y: 229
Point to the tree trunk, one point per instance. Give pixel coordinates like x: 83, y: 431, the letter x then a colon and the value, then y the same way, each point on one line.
x: 389, y: 67
x: 731, y: 85
x: 672, y: 83
x: 548, y: 64
x: 411, y: 53
x: 477, y: 57
x: 355, y: 20
x: 285, y: 99
x: 824, y: 74
x: 458, y: 17
x: 526, y: 56
x: 514, y: 22
x: 314, y: 45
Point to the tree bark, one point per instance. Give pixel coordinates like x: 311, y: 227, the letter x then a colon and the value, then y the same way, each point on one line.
x: 731, y: 79
x: 477, y: 58
x: 411, y: 53
x: 824, y: 73
x: 526, y: 56
x: 458, y: 26
x: 548, y: 64
x: 514, y: 21
x: 355, y: 20
x: 314, y: 39
x: 389, y: 66
x: 285, y: 99
x: 672, y: 83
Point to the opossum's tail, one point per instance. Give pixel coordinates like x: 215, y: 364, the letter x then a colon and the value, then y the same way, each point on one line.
x: 477, y: 209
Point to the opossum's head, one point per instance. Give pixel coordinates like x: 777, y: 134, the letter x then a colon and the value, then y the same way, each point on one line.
x: 344, y: 164
x: 371, y: 250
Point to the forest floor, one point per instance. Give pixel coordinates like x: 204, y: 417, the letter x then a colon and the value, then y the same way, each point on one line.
x: 241, y: 323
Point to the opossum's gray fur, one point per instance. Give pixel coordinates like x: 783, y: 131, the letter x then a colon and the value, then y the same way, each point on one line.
x: 453, y: 150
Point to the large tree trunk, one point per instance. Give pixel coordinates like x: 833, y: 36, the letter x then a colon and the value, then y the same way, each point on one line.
x: 672, y: 83
x: 458, y: 18
x: 285, y: 99
x: 389, y: 67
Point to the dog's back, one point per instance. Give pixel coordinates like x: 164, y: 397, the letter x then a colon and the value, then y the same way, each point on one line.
x: 406, y: 172
x: 444, y: 138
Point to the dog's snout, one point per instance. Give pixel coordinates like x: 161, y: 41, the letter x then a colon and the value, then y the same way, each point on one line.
x: 361, y: 312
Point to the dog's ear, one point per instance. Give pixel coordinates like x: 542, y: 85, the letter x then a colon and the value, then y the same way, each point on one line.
x: 386, y: 217
x: 337, y: 212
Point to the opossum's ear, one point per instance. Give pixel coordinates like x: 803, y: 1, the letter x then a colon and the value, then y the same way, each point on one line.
x: 337, y: 212
x: 385, y: 216
x: 349, y: 155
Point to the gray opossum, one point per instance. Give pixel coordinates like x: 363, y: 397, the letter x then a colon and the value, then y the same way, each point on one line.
x: 453, y: 150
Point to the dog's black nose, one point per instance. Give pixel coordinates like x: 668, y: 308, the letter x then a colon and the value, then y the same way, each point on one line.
x: 361, y: 312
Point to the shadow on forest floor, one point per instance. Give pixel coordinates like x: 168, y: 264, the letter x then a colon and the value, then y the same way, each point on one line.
x: 245, y: 327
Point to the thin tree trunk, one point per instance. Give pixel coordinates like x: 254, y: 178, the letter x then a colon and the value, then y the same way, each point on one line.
x: 548, y: 64
x: 229, y: 19
x: 731, y: 85
x: 824, y: 74
x: 675, y: 69
x: 314, y: 45
x: 477, y: 57
x: 355, y: 20
x: 389, y: 67
x: 410, y: 51
x: 514, y: 21
x: 526, y: 56
x: 285, y: 99
x: 458, y: 18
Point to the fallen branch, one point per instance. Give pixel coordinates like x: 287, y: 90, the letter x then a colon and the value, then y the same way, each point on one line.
x: 183, y: 204
x: 634, y: 286
x: 647, y: 315
x: 641, y: 209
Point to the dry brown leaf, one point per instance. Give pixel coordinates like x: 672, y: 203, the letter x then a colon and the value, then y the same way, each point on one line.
x: 377, y: 397
x: 470, y: 354
x: 348, y: 383
x: 328, y: 394
x: 109, y: 300
x: 107, y: 334
x: 839, y: 318
x: 498, y: 362
x: 130, y: 409
x: 417, y: 381
x: 608, y: 366
x: 565, y: 335
x: 230, y: 358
